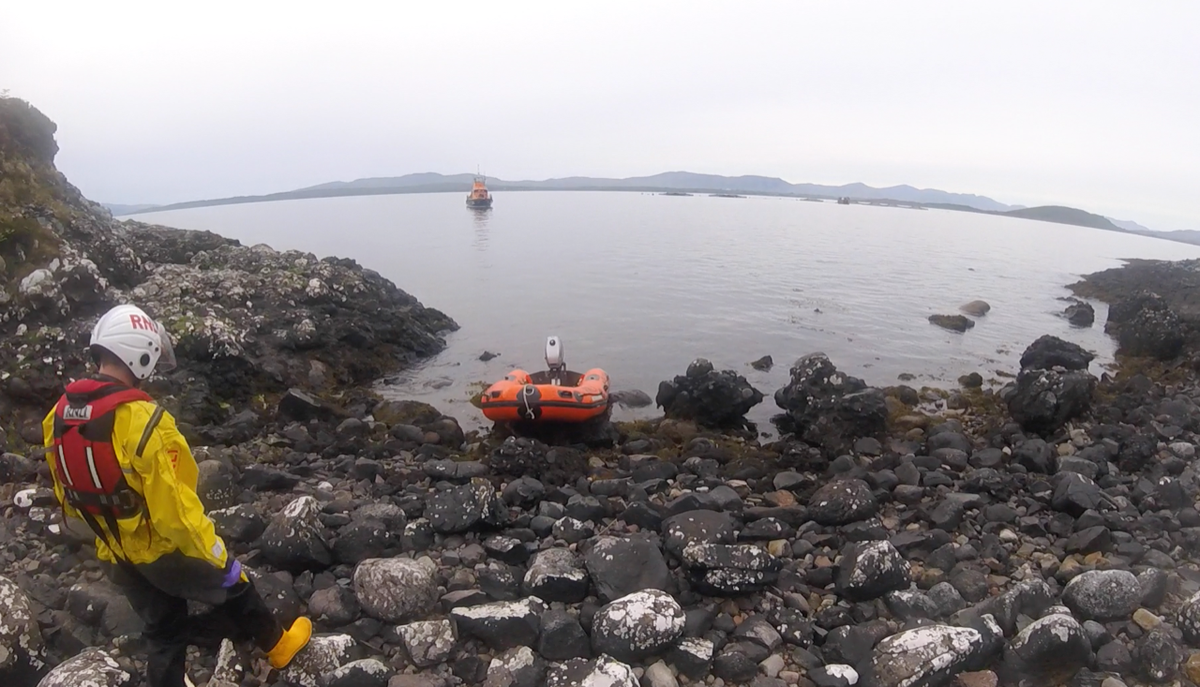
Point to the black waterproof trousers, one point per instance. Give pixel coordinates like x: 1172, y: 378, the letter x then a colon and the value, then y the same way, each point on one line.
x: 238, y: 613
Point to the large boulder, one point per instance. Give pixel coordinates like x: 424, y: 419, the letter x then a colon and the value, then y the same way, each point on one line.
x: 462, y: 508
x: 557, y: 575
x: 842, y: 502
x: 517, y: 667
x: 1103, y: 594
x: 603, y: 671
x: 708, y: 397
x: 827, y: 408
x: 1049, y: 651
x: 637, y: 626
x: 697, y: 527
x: 1048, y: 352
x: 730, y: 570
x: 930, y: 656
x: 92, y: 668
x: 324, y: 654
x: 22, y: 654
x: 1042, y: 401
x: 1146, y: 326
x: 295, y: 539
x: 396, y: 589
x: 428, y: 642
x: 502, y: 624
x: 620, y: 566
x: 868, y: 570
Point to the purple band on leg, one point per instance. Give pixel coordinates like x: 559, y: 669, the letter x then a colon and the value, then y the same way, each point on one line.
x: 234, y: 575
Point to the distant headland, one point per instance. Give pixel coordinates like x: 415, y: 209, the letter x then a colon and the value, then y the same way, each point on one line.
x: 680, y: 183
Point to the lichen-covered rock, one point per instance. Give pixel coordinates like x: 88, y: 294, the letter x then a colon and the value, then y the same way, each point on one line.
x: 428, y: 642
x: 1103, y: 594
x: 517, y: 667
x: 929, y: 656
x: 557, y: 575
x: 295, y: 539
x: 730, y: 570
x: 636, y: 626
x: 323, y: 655
x: 92, y: 668
x: 827, y: 408
x: 503, y: 624
x: 22, y: 653
x: 461, y: 508
x: 868, y: 570
x: 708, y: 397
x: 396, y: 589
x: 603, y: 671
x: 1189, y: 620
x: 365, y: 672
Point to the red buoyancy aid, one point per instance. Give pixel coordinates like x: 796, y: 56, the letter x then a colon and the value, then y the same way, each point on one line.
x: 85, y: 459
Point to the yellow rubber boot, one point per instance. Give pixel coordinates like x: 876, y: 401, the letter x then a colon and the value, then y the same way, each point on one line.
x: 293, y: 640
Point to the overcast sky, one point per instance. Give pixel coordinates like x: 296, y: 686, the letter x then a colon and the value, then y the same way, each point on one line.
x: 1093, y: 104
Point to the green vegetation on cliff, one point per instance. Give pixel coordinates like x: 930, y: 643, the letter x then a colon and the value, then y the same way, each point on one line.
x: 32, y: 192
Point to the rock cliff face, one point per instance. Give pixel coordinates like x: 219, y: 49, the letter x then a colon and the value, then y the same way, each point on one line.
x: 248, y: 322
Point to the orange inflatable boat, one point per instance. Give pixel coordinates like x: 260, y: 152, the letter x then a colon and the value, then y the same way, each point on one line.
x: 557, y: 395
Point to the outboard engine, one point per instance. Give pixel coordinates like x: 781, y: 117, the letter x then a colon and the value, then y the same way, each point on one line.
x: 554, y: 358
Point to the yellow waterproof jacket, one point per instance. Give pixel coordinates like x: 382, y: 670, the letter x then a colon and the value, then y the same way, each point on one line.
x: 165, y: 475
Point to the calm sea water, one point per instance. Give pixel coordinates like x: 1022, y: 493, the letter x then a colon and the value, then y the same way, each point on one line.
x: 641, y: 284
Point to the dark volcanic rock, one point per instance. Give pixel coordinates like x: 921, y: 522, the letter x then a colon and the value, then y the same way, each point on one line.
x: 601, y: 671
x: 557, y: 575
x: 869, y: 570
x: 562, y: 637
x: 517, y: 667
x: 1042, y: 401
x: 621, y: 566
x: 461, y: 508
x: 955, y: 323
x: 238, y: 524
x: 697, y: 526
x: 1145, y: 325
x: 1049, y: 352
x: 708, y: 397
x: 295, y: 539
x: 724, y: 570
x: 1189, y: 620
x: 636, y: 626
x: 1047, y: 652
x: 503, y: 624
x: 842, y: 502
x: 827, y: 408
x: 1080, y: 314
x: 363, y: 539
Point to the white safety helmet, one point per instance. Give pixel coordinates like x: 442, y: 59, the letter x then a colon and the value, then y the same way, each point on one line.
x: 136, y: 339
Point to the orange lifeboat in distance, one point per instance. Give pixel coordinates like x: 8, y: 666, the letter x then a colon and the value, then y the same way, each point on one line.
x: 557, y: 395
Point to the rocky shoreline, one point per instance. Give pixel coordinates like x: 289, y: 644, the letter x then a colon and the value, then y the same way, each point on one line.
x: 1043, y: 533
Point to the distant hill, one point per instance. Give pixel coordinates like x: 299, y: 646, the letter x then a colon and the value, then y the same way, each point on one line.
x: 1064, y: 215
x: 669, y: 181
x: 122, y: 209
x: 433, y: 182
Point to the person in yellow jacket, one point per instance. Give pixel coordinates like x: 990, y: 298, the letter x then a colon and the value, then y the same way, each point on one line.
x: 119, y: 463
